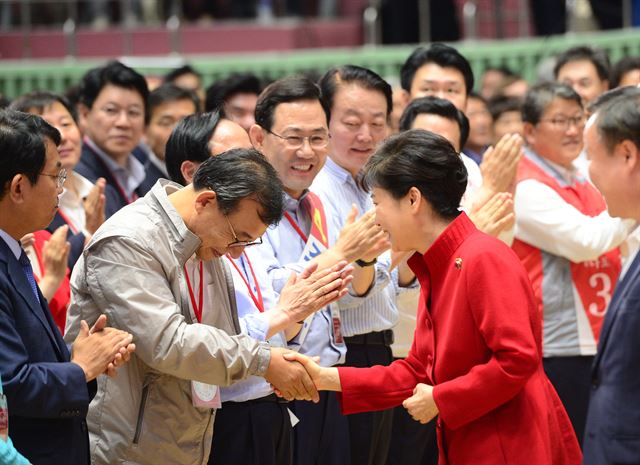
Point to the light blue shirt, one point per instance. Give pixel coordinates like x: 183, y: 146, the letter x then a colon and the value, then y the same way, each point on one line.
x: 14, y: 245
x: 8, y: 454
x: 375, y: 311
x: 280, y: 254
x: 252, y: 322
x: 130, y: 177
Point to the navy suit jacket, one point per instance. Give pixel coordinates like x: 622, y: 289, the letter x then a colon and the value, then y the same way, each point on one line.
x: 92, y: 168
x: 47, y: 395
x: 612, y: 433
x: 153, y: 172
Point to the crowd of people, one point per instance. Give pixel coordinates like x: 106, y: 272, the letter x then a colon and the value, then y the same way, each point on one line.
x: 325, y: 270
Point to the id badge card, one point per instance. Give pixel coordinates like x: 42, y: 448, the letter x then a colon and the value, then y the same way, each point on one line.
x: 4, y: 417
x: 205, y: 395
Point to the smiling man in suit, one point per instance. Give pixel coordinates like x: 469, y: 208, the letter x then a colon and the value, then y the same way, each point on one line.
x: 612, y: 142
x: 48, y: 389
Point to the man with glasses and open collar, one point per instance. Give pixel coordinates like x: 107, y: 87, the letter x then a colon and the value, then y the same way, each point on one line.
x: 566, y: 240
x: 292, y: 131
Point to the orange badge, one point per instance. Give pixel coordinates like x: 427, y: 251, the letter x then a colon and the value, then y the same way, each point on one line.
x: 458, y: 263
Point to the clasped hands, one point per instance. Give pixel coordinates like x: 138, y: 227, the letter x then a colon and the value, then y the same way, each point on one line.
x: 308, y: 378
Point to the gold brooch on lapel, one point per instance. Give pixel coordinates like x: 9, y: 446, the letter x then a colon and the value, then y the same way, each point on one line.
x: 458, y: 263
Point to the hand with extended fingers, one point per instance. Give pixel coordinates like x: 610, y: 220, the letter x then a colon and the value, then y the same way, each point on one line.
x: 495, y: 216
x: 500, y: 164
x: 361, y: 238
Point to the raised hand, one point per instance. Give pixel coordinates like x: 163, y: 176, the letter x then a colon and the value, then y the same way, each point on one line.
x: 496, y: 215
x: 361, y: 238
x: 55, y: 254
x: 28, y: 240
x: 500, y: 164
x: 421, y: 405
x: 94, y: 206
x: 313, y: 289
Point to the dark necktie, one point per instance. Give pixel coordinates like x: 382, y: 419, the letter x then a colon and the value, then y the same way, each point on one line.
x: 28, y: 272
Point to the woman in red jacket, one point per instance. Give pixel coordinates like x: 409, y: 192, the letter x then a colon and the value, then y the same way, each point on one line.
x: 476, y: 354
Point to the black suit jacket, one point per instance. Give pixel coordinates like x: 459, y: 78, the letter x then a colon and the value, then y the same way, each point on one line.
x: 47, y: 395
x: 612, y: 433
x: 92, y: 168
x: 152, y: 171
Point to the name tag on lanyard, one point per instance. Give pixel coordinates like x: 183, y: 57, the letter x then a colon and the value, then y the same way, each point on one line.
x: 203, y: 395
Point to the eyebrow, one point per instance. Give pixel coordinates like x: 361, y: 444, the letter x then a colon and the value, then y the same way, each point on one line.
x: 433, y: 81
x: 351, y: 111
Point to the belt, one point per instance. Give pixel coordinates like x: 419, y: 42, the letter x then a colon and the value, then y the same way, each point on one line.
x: 270, y: 398
x: 376, y: 338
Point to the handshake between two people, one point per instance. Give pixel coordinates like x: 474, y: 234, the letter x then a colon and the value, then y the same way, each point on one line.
x: 305, y: 378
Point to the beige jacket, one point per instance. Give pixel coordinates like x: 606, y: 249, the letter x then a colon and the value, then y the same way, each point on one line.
x: 133, y: 272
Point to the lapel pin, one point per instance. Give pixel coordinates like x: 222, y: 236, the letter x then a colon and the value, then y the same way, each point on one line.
x: 458, y: 263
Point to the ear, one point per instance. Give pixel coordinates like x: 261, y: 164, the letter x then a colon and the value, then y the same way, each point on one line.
x: 204, y: 198
x: 256, y: 134
x: 629, y: 151
x: 529, y: 133
x: 414, y: 197
x: 405, y: 97
x: 83, y: 112
x: 188, y: 169
x: 17, y: 188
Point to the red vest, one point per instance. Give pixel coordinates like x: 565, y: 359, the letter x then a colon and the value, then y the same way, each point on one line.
x: 592, y: 282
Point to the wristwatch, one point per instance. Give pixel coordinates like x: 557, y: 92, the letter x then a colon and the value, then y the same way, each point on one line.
x: 362, y: 263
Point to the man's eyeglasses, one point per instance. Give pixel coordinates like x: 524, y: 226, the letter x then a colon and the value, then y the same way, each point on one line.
x: 562, y: 123
x: 60, y: 177
x: 238, y: 243
x: 317, y: 141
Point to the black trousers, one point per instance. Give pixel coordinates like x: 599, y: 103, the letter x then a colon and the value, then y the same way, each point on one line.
x: 322, y: 436
x: 370, y: 432
x: 571, y: 377
x: 256, y: 432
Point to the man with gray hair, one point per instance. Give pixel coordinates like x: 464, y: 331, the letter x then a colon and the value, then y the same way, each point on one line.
x: 160, y: 409
x: 612, y: 435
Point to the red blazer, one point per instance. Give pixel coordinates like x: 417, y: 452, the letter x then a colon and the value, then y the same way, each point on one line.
x: 478, y: 341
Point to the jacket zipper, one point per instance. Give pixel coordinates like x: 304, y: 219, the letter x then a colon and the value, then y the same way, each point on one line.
x: 143, y: 403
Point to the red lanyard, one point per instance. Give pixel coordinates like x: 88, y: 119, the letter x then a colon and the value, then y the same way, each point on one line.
x: 73, y: 227
x: 197, y: 308
x: 296, y: 227
x: 257, y: 299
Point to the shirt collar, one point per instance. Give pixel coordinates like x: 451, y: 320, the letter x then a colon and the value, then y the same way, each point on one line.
x: 568, y: 175
x: 153, y: 158
x: 337, y: 171
x: 134, y: 168
x: 14, y: 245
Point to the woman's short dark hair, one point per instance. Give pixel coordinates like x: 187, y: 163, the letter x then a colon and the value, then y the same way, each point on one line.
x: 189, y: 141
x: 440, y: 54
x: 348, y: 74
x: 22, y: 146
x: 243, y: 173
x: 435, y: 106
x: 539, y: 98
x: 286, y: 90
x: 38, y: 101
x: 424, y: 160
